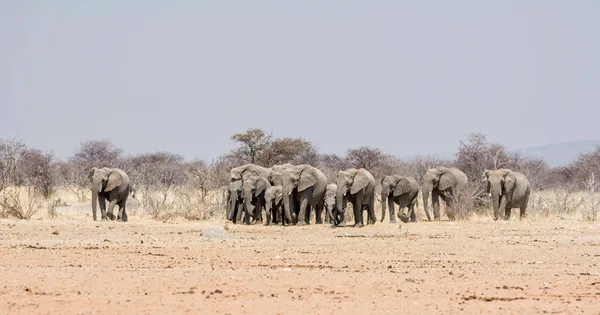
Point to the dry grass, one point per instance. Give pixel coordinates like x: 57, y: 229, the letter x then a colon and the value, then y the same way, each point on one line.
x: 190, y: 204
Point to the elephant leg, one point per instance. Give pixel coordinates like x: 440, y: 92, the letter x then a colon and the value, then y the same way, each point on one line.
x: 391, y: 206
x: 239, y: 212
x: 109, y: 211
x: 102, y: 203
x: 404, y: 218
x: 371, y: 210
x: 412, y: 213
x: 507, y: 212
x: 523, y: 209
x: 267, y: 217
x: 450, y: 210
x: 358, y: 211
x: 319, y: 212
x: 435, y: 203
x: 302, y: 210
x: 122, y: 216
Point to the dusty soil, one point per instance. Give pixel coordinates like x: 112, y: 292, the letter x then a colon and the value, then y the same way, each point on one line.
x: 150, y: 267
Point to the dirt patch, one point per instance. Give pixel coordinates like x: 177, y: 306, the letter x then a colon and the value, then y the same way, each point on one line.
x: 152, y: 267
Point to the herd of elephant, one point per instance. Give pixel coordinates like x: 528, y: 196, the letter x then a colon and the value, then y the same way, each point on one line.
x: 288, y: 194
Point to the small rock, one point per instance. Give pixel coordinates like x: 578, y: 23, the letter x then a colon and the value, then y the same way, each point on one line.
x: 55, y: 233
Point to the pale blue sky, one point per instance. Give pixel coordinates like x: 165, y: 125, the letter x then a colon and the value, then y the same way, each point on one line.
x: 408, y: 77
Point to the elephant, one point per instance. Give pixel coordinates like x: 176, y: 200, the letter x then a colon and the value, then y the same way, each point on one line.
x: 235, y: 202
x: 331, y: 204
x: 508, y: 190
x: 305, y: 185
x: 273, y: 204
x: 253, y: 192
x: 402, y: 190
x: 110, y: 184
x: 442, y: 182
x: 358, y: 187
x: 238, y: 173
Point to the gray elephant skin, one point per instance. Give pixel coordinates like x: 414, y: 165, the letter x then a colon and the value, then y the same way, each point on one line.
x: 110, y: 184
x: 400, y: 190
x: 331, y: 204
x: 508, y: 190
x: 235, y: 202
x: 358, y: 187
x: 238, y: 173
x: 304, y: 185
x: 273, y: 205
x: 445, y: 183
x: 254, y: 188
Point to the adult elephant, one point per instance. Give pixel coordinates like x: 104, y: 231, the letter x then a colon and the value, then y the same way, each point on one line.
x: 358, y: 187
x: 110, y: 184
x: 238, y: 173
x: 273, y: 205
x: 508, y: 190
x: 307, y: 184
x: 235, y: 202
x: 442, y: 182
x: 403, y: 191
x: 254, y: 188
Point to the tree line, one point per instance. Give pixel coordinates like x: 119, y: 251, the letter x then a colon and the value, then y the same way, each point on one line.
x: 21, y: 165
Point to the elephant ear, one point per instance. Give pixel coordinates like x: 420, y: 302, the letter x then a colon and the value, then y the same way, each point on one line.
x: 447, y: 180
x: 509, y: 182
x: 115, y: 179
x: 308, y: 178
x: 403, y: 187
x: 485, y: 175
x: 261, y: 185
x: 361, y: 180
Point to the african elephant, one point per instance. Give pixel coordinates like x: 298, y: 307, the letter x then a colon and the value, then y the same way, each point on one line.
x: 110, y: 184
x: 508, y: 190
x: 307, y: 185
x: 254, y: 188
x: 273, y: 204
x: 442, y: 182
x: 358, y: 187
x: 402, y: 190
x: 331, y: 204
x: 238, y: 173
x: 235, y: 202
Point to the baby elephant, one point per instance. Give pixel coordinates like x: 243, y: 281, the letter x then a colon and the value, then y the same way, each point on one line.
x: 273, y: 204
x: 508, y: 190
x: 331, y: 205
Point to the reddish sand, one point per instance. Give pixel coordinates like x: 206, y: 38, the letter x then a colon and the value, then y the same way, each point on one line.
x: 66, y: 267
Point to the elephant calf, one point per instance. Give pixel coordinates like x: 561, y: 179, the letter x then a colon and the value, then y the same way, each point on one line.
x: 331, y: 205
x: 508, y: 190
x: 273, y: 204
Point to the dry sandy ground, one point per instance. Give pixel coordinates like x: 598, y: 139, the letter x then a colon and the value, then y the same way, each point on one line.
x: 78, y: 266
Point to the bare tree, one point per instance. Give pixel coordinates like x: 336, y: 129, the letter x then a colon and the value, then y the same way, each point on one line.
x: 263, y: 149
x: 97, y: 153
x: 11, y: 154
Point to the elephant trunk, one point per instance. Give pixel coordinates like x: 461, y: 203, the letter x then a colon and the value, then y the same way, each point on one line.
x: 233, y: 203
x: 249, y: 206
x: 496, y: 196
x: 384, y: 200
x: 94, y: 203
x: 426, y: 191
x: 340, y: 197
x: 286, y: 208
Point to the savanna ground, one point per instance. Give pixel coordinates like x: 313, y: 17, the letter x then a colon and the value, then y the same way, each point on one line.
x: 71, y: 264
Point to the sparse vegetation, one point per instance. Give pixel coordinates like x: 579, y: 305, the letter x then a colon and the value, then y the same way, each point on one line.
x: 168, y: 186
